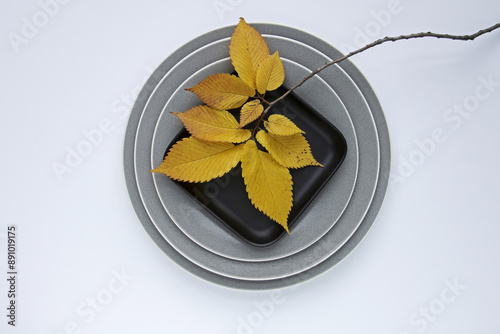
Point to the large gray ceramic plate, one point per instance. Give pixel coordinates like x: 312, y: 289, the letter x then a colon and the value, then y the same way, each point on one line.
x: 319, y: 215
x: 320, y: 250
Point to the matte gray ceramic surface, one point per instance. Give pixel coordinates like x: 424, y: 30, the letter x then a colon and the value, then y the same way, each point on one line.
x: 330, y: 237
x: 365, y: 128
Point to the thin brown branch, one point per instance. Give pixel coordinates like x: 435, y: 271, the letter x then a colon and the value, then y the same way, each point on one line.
x: 260, y: 120
x: 381, y: 41
x: 261, y: 97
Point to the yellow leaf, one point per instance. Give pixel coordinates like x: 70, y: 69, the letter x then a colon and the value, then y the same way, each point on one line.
x: 246, y: 50
x: 250, y: 112
x: 269, y: 185
x: 223, y: 91
x: 209, y: 124
x: 290, y: 151
x: 281, y: 126
x: 270, y: 74
x: 193, y: 160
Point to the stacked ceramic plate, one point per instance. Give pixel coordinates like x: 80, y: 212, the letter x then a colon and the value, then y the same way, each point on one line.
x: 334, y: 222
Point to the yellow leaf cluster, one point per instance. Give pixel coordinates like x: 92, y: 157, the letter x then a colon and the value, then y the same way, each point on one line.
x: 211, y: 152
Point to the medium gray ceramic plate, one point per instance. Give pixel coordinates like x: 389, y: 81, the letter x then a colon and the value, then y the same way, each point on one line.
x: 330, y: 237
x: 207, y: 231
x: 186, y: 213
x: 282, y: 267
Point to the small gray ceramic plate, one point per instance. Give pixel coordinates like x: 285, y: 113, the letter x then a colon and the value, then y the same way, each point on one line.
x: 329, y: 241
x: 201, y: 227
x: 285, y: 266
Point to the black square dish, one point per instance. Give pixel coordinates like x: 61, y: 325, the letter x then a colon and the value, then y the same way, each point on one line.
x: 227, y: 200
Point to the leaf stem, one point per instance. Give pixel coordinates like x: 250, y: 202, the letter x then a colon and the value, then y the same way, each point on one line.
x: 378, y: 42
x: 258, y: 122
x: 261, y: 97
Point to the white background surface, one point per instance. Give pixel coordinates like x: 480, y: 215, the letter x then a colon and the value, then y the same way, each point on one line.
x: 439, y: 225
